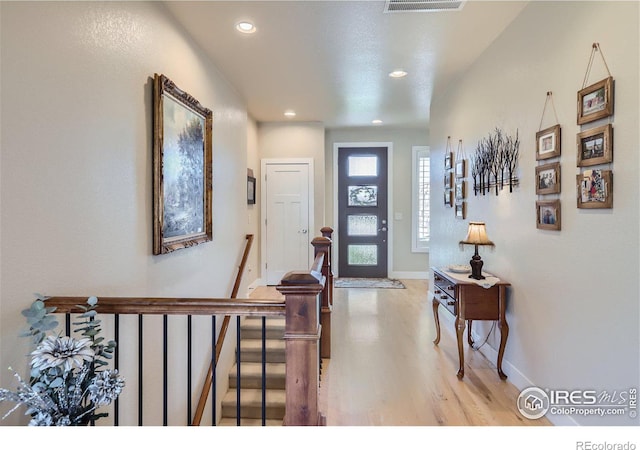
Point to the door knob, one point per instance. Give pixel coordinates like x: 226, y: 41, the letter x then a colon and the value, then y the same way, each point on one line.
x: 383, y: 229
x: 303, y: 231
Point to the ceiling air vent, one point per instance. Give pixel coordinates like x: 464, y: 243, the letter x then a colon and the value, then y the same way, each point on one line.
x: 392, y: 6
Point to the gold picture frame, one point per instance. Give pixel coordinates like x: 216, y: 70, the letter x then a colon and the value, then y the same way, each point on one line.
x: 182, y: 169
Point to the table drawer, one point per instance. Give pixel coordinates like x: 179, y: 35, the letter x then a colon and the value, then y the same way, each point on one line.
x: 445, y: 293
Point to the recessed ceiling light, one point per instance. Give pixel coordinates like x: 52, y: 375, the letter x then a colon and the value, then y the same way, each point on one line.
x: 246, y: 27
x: 376, y: 122
x: 290, y: 113
x: 398, y: 74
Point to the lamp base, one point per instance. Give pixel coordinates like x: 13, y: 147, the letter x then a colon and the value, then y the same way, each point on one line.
x: 476, y: 267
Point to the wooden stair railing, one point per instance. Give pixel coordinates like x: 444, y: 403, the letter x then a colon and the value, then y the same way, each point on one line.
x: 206, y: 386
x: 322, y: 246
x: 306, y: 303
x: 302, y: 341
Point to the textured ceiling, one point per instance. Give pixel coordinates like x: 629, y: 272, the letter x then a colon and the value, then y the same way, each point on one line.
x: 329, y: 60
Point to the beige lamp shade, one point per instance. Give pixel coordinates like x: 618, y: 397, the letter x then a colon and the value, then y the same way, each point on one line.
x: 477, y: 234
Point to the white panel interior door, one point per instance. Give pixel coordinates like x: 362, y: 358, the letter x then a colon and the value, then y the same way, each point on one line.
x: 287, y: 220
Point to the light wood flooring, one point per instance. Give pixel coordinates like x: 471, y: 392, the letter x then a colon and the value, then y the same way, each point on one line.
x: 385, y: 370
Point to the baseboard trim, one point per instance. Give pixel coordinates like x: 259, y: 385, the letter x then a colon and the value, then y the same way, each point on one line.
x: 515, y: 376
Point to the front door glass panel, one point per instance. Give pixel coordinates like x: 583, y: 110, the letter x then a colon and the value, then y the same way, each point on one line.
x: 363, y: 255
x: 361, y: 225
x: 366, y: 195
x: 362, y: 166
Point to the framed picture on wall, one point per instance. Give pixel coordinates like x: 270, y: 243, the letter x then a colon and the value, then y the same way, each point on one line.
x: 461, y: 210
x: 251, y: 190
x: 595, y: 146
x: 548, y: 215
x: 448, y: 197
x: 448, y: 160
x: 461, y: 166
x: 595, y: 189
x: 548, y: 143
x: 461, y: 190
x: 182, y: 169
x: 595, y: 101
x: 448, y: 180
x: 548, y: 179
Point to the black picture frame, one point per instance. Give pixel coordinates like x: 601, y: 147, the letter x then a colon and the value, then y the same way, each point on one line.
x: 251, y: 190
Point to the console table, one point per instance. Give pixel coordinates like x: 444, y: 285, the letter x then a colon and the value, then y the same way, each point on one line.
x: 469, y: 299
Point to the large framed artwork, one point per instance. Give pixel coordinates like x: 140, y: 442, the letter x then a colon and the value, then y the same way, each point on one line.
x: 182, y: 169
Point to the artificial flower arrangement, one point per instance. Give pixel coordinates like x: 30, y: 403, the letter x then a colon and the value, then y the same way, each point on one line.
x: 68, y: 380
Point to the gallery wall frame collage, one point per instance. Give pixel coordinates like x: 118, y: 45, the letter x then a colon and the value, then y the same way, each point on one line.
x: 594, y: 150
x: 455, y: 185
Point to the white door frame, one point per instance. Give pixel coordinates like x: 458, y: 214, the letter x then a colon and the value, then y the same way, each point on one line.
x: 336, y: 149
x: 263, y: 207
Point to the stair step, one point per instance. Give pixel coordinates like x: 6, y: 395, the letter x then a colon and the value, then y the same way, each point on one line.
x: 245, y: 422
x: 251, y: 375
x: 251, y: 404
x: 251, y: 350
x: 251, y: 328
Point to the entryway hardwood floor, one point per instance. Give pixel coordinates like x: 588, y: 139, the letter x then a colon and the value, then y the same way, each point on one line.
x: 385, y: 370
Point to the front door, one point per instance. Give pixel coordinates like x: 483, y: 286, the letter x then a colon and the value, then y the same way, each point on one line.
x: 362, y: 212
x: 286, y: 216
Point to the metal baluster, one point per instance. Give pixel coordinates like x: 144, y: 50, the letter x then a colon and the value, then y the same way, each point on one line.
x: 189, y: 369
x: 264, y: 370
x: 140, y: 369
x: 116, y: 364
x: 238, y: 372
x: 214, y: 400
x: 165, y: 366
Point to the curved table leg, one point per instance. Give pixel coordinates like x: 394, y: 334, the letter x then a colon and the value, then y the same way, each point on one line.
x: 435, y: 304
x: 460, y: 324
x: 504, y: 331
x: 469, y: 338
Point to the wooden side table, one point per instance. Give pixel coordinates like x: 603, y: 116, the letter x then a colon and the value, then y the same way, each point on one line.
x: 468, y: 300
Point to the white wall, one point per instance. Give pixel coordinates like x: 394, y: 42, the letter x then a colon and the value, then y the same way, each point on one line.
x: 76, y: 173
x: 251, y: 275
x: 298, y: 140
x: 573, y: 308
x: 405, y: 264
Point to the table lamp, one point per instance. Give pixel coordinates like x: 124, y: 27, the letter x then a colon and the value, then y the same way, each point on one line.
x: 477, y: 235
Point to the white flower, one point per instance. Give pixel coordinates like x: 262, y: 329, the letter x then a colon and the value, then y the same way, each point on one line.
x: 106, y: 387
x: 62, y: 351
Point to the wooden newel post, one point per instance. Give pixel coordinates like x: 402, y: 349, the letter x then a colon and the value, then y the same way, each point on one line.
x: 322, y: 245
x: 302, y: 340
x: 328, y: 233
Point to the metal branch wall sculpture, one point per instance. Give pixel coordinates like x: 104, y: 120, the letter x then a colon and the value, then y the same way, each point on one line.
x: 495, y: 162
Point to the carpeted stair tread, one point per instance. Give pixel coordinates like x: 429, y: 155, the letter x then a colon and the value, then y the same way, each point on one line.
x: 246, y: 422
x: 251, y: 375
x: 251, y: 403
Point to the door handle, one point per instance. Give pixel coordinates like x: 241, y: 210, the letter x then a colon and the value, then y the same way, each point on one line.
x: 383, y: 229
x: 303, y: 231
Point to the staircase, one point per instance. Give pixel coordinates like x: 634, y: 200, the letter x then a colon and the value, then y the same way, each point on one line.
x: 251, y: 375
